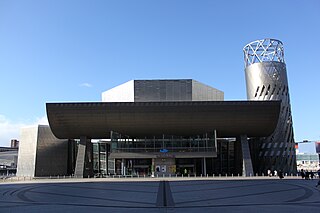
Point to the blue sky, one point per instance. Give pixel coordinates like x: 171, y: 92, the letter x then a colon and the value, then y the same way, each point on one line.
x: 74, y: 50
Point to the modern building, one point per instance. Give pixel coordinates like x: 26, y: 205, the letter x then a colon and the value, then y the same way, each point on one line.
x: 307, y: 154
x: 155, y: 127
x: 266, y: 79
x: 14, y: 143
x: 8, y: 161
x: 308, y: 162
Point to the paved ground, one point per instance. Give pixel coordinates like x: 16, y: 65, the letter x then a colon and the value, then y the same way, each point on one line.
x: 161, y: 195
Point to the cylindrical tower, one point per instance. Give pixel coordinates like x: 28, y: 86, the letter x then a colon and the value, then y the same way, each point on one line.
x: 266, y: 79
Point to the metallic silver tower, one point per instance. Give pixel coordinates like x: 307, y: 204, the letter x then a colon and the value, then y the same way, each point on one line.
x: 266, y: 79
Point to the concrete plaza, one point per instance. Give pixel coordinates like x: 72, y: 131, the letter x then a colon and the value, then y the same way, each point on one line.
x: 161, y: 195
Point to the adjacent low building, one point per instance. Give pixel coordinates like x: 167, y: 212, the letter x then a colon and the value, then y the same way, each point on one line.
x: 9, y: 158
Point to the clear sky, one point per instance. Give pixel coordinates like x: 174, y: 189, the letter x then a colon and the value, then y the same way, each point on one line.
x: 58, y: 50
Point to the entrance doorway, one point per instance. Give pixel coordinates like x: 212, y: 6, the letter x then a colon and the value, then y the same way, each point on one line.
x: 189, y: 166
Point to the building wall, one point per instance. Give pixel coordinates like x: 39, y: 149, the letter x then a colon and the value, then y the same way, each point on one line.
x: 41, y: 154
x: 121, y: 93
x: 202, y: 92
x: 51, y: 154
x: 162, y: 90
x: 27, y: 151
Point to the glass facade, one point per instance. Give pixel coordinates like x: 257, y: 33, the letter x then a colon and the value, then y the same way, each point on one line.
x: 170, y: 144
x: 162, y: 157
x: 100, y: 158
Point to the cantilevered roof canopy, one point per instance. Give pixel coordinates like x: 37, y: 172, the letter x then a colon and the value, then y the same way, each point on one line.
x: 143, y: 119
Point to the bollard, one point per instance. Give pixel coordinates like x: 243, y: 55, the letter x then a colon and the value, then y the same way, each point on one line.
x: 169, y: 175
x: 163, y: 175
x: 226, y: 175
x: 232, y: 175
x: 213, y: 175
x: 182, y: 175
x: 157, y: 175
x: 238, y: 175
x: 188, y: 175
x: 219, y: 175
x: 176, y: 175
x: 207, y: 175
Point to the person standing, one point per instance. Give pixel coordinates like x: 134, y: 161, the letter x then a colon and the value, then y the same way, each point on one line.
x: 281, y: 174
x: 319, y: 178
x: 269, y: 173
x: 303, y: 174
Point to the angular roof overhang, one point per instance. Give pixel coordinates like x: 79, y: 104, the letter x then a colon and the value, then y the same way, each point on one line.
x: 142, y: 119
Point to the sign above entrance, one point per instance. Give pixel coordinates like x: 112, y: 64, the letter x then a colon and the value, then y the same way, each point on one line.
x: 165, y: 155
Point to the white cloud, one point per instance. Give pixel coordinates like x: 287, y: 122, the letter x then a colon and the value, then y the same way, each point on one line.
x: 85, y: 85
x: 42, y: 121
x: 10, y: 130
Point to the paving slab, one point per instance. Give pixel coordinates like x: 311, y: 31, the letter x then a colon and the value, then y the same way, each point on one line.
x: 161, y: 195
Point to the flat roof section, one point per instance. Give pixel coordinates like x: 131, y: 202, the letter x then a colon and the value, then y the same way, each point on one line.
x: 142, y: 119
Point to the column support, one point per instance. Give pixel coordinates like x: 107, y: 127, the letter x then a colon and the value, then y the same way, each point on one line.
x: 84, y: 161
x: 204, y: 166
x: 123, y: 167
x: 247, y: 169
x: 152, y: 167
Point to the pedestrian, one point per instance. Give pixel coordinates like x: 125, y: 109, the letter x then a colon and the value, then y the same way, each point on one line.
x: 303, y: 174
x: 307, y: 175
x: 281, y: 174
x: 275, y: 173
x: 269, y: 173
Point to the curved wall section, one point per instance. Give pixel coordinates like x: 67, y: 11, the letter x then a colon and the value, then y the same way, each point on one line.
x: 266, y: 79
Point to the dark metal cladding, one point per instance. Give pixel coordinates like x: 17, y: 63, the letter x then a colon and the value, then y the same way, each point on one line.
x: 142, y: 119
